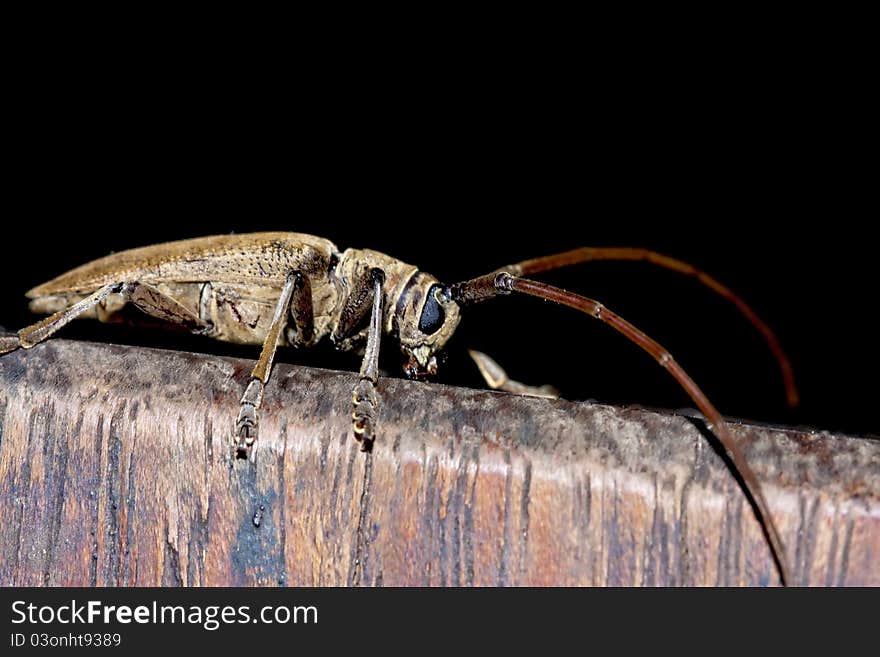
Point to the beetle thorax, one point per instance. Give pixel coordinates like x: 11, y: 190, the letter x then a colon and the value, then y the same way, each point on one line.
x: 416, y: 313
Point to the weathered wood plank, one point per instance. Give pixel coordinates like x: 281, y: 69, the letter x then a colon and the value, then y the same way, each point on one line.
x: 116, y: 469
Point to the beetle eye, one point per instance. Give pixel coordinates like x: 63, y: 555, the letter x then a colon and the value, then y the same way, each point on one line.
x: 433, y: 315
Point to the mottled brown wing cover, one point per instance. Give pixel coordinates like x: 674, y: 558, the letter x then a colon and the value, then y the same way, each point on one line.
x: 232, y: 281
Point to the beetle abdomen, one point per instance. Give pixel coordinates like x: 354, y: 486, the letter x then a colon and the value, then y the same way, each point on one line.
x: 243, y: 313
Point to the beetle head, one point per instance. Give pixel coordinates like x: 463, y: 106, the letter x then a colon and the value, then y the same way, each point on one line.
x: 425, y: 318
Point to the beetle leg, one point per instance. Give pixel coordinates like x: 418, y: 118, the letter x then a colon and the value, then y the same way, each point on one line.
x: 144, y: 297
x: 302, y: 312
x: 357, y: 307
x: 158, y: 304
x: 365, y: 397
x: 497, y: 379
x: 36, y: 333
x: 246, y: 424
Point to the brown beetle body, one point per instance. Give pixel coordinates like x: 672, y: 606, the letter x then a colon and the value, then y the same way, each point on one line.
x: 291, y: 288
x: 232, y: 282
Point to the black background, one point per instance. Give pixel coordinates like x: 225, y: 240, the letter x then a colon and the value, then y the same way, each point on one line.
x: 749, y: 174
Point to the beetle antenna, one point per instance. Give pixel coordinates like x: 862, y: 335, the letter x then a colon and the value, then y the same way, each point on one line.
x: 589, y: 254
x: 502, y: 283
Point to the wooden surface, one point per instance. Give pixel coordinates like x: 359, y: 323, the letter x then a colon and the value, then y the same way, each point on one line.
x: 116, y: 468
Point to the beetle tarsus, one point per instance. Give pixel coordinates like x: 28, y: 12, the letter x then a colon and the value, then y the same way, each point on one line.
x: 246, y: 424
x: 366, y: 404
x: 9, y: 343
x: 245, y: 430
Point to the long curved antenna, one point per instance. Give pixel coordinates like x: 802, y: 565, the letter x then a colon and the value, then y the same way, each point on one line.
x: 587, y: 254
x: 495, y: 284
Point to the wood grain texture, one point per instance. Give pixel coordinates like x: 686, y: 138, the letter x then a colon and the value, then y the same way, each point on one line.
x: 116, y: 468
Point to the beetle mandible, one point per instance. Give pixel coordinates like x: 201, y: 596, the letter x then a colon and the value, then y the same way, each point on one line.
x: 290, y: 288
